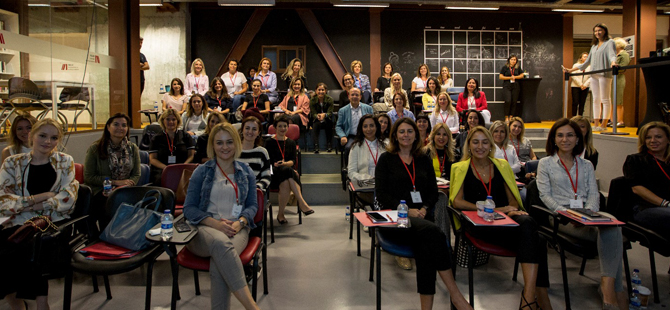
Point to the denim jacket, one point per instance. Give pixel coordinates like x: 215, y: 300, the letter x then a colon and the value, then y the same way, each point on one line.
x: 200, y: 187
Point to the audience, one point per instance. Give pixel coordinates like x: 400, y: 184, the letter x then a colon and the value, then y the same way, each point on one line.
x: 420, y: 82
x: 261, y: 102
x: 473, y: 99
x: 268, y: 80
x: 221, y: 201
x: 400, y: 108
x: 175, y: 98
x: 473, y: 118
x: 444, y: 112
x: 296, y: 105
x: 504, y: 150
x: 254, y: 154
x: 213, y: 119
x: 172, y: 146
x: 361, y: 81
x: 348, y: 118
x: 236, y: 83
x: 194, y: 120
x: 18, y: 140
x: 297, y: 72
x: 197, y: 82
x: 321, y: 117
x: 441, y: 149
x: 521, y: 144
x: 429, y: 99
x: 217, y: 97
x: 589, y: 153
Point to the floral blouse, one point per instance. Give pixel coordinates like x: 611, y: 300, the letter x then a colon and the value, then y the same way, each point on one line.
x: 14, y: 198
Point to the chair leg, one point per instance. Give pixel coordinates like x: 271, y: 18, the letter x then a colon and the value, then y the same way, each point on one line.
x: 196, y: 281
x: 94, y: 280
x: 581, y: 270
x: 372, y: 253
x: 564, y: 271
x: 265, y: 269
x: 352, y: 203
x: 626, y: 269
x: 471, y: 264
x: 516, y: 269
x: 272, y: 223
x: 299, y: 216
x: 67, y: 291
x: 379, y: 277
x: 254, y: 280
x: 147, y: 298
x: 108, y: 290
x: 654, y: 279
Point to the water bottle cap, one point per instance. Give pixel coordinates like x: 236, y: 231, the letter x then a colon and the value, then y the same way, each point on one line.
x: 636, y: 291
x: 489, y: 197
x: 166, y: 211
x: 636, y: 270
x: 106, y: 179
x: 402, y: 201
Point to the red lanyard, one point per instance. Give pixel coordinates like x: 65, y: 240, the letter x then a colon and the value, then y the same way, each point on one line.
x: 374, y: 157
x: 264, y: 80
x: 402, y: 113
x: 280, y: 148
x: 231, y: 182
x: 574, y: 185
x: 196, y: 83
x: 412, y: 176
x: 255, y: 100
x: 505, y: 154
x: 444, y: 120
x: 434, y: 99
x: 170, y: 143
x: 516, y: 146
x: 512, y: 71
x: 425, y: 87
x: 232, y: 79
x: 219, y: 100
x: 659, y: 165
x: 487, y: 188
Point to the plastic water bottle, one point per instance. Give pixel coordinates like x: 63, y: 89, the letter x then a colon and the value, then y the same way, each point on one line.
x: 166, y: 225
x: 634, y: 301
x: 403, y: 220
x: 489, y: 201
x: 162, y: 88
x: 635, y: 279
x: 106, y: 187
x: 488, y: 214
x: 156, y: 106
x: 346, y: 213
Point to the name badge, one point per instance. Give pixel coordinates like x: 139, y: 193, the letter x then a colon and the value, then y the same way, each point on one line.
x: 576, y: 203
x: 511, y: 81
x: 237, y: 209
x: 172, y: 159
x: 416, y: 196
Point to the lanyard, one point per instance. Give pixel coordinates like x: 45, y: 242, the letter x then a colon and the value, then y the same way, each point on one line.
x: 512, y: 71
x: 487, y: 188
x: 412, y: 176
x: 574, y: 186
x: 264, y: 80
x: 255, y: 99
x: 232, y: 79
x: 444, y: 159
x: 237, y: 198
x: 659, y: 165
x: 219, y: 100
x: 170, y: 143
x: 505, y: 154
x: 280, y: 148
x: 444, y: 120
x: 374, y: 157
x: 196, y: 83
x: 425, y: 87
x: 434, y: 98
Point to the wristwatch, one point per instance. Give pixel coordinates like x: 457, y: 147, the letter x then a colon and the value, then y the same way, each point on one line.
x: 243, y: 222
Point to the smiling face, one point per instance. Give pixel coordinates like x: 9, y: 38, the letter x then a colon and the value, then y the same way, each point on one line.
x: 357, y: 69
x: 599, y: 33
x: 473, y: 119
x: 566, y: 139
x: 250, y: 131
x: 383, y: 123
x: 321, y: 92
x: 471, y: 85
x: 196, y: 103
x: 423, y: 70
x: 583, y: 58
x: 388, y: 69
x: 443, y: 102
x: 480, y: 145
x: 218, y: 86
x: 197, y: 67
x: 397, y: 84
x: 348, y: 81
x: 441, y: 138
x: 224, y: 146
x: 499, y: 135
x: 431, y: 85
x: 398, y: 103
x: 213, y: 121
x: 118, y: 128
x: 23, y: 128
x: 422, y: 124
x: 252, y: 72
x: 265, y: 65
x: 176, y: 87
x: 515, y: 128
x: 296, y: 66
x: 406, y: 135
x: 170, y: 123
x: 256, y: 87
x: 369, y: 129
x: 355, y: 96
x: 45, y: 139
x: 232, y: 66
x: 656, y: 141
x: 512, y: 61
x: 297, y: 86
x: 444, y: 73
x: 282, y: 128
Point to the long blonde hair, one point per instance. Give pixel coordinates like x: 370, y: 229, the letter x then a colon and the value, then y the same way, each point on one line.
x: 13, y: 138
x: 450, y: 106
x: 495, y: 126
x: 289, y: 69
x: 448, y: 148
x: 641, y: 142
x: 291, y: 92
x: 466, y: 148
x: 193, y: 67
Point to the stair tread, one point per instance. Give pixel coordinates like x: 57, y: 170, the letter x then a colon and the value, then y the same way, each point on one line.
x: 321, y: 178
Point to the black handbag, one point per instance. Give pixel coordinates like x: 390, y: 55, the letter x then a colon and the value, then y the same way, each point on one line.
x: 131, y: 222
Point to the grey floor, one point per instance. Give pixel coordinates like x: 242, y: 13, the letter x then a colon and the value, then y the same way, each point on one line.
x: 314, y: 266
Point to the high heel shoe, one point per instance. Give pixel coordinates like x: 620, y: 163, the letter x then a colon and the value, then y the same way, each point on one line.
x: 532, y: 305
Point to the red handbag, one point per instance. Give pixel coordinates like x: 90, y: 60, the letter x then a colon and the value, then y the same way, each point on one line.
x: 26, y: 232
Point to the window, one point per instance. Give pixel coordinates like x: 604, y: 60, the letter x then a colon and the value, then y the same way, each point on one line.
x: 281, y: 55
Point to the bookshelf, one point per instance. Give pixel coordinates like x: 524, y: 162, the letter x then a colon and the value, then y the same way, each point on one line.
x: 10, y: 63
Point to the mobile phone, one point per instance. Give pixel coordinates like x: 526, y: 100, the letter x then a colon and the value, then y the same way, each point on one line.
x: 587, y: 212
x: 498, y: 216
x: 377, y: 218
x: 181, y: 226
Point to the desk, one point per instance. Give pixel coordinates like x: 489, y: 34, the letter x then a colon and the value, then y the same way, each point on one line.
x: 353, y: 196
x: 170, y: 247
x: 528, y: 98
x: 148, y: 114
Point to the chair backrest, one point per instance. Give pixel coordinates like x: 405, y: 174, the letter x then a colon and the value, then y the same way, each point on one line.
x: 148, y: 134
x: 133, y: 194
x: 335, y: 94
x: 145, y: 175
x: 20, y: 88
x: 531, y: 166
x: 621, y: 199
x: 144, y: 157
x: 172, y: 175
x: 79, y: 173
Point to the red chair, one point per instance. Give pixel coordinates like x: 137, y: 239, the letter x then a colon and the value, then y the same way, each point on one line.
x: 79, y: 173
x: 170, y: 179
x: 293, y: 133
x: 249, y: 255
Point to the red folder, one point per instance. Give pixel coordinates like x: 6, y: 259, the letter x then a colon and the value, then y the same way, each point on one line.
x: 613, y: 222
x: 105, y: 251
x: 478, y: 221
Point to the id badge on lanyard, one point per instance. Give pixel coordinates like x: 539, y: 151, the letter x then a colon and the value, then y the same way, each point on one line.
x: 237, y: 210
x: 416, y: 196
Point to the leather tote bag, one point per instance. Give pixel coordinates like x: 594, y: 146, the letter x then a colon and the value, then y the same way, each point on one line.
x: 131, y: 222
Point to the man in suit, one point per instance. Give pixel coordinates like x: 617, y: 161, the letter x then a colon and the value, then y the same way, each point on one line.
x: 348, y: 117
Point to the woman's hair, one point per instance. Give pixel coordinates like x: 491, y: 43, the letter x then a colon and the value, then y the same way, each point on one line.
x: 384, y: 67
x: 281, y: 119
x: 345, y: 75
x: 289, y: 69
x: 107, y: 136
x: 259, y: 139
x: 500, y: 124
x: 619, y: 42
x: 181, y: 90
x: 448, y: 148
x: 224, y: 91
x: 213, y: 114
x: 260, y: 65
x: 523, y: 127
x: 439, y: 77
x: 480, y: 119
x: 475, y: 92
x: 516, y: 65
x: 582, y: 55
x: 236, y: 62
x: 393, y: 90
x: 466, y: 148
x: 594, y: 41
x: 402, y: 96
x: 387, y: 132
x: 438, y: 87
x: 166, y: 113
x: 394, y: 146
x: 227, y: 127
x: 193, y: 66
x: 552, y: 148
x: 14, y: 141
x: 319, y: 85
x: 44, y: 122
x: 418, y: 71
x: 189, y: 107
x: 450, y: 106
x: 360, y: 136
x: 588, y: 138
x: 641, y: 140
x: 356, y: 62
x: 427, y: 119
x: 291, y: 92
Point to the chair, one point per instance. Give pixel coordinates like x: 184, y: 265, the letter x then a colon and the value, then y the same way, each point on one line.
x: 144, y: 157
x: 415, y: 98
x: 170, y: 179
x: 79, y: 173
x: 454, y: 92
x: 531, y: 166
x: 145, y: 175
x: 71, y: 100
x: 621, y: 205
x: 148, y: 134
x: 106, y: 268
x: 335, y: 94
x: 249, y: 255
x: 24, y: 95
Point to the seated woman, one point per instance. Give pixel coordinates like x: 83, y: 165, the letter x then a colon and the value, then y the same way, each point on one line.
x: 523, y: 147
x: 268, y: 80
x: 194, y: 120
x: 256, y: 104
x: 197, y: 81
x: 40, y: 182
x: 420, y: 82
x: 404, y: 169
x: 284, y: 177
x: 647, y: 172
x: 18, y: 141
x: 217, y: 97
x: 429, y: 99
x: 479, y: 175
x: 296, y: 105
x: 348, y: 82
x: 590, y: 153
x: 172, y: 146
x: 441, y: 149
x: 364, y: 154
x: 113, y: 157
x: 361, y: 81
x: 396, y: 87
x: 444, y: 112
x: 473, y: 99
x: 253, y: 154
x: 221, y: 200
x: 399, y: 108
x: 472, y: 119
x: 385, y: 124
x: 384, y: 81
x: 423, y: 122
x: 213, y: 119
x: 236, y: 84
x: 565, y: 180
x: 503, y: 150
x: 297, y: 72
x: 445, y: 79
x: 175, y: 98
x: 321, y: 117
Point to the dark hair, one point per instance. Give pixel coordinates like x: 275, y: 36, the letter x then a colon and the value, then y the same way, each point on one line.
x: 236, y: 62
x: 594, y: 41
x: 552, y: 148
x: 438, y: 87
x: 107, y: 137
x: 250, y: 68
x: 281, y: 118
x: 181, y: 90
x: 386, y: 132
x: 474, y: 92
x: 360, y: 137
x: 480, y: 119
x: 425, y: 117
x: 384, y: 67
x: 516, y: 65
x: 259, y: 139
x: 211, y: 92
x: 394, y: 147
x: 319, y: 85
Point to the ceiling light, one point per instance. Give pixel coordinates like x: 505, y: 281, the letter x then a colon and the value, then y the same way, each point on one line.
x: 472, y: 8
x: 361, y: 5
x: 578, y: 10
x: 246, y: 2
x: 38, y: 4
x: 150, y: 4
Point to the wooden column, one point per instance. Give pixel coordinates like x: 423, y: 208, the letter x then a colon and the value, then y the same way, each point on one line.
x: 245, y: 38
x: 375, y: 44
x: 568, y: 47
x: 124, y: 46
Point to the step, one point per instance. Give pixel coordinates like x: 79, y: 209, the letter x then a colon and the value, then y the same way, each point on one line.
x: 322, y: 163
x: 536, y: 132
x: 540, y: 152
x: 538, y: 142
x: 320, y: 189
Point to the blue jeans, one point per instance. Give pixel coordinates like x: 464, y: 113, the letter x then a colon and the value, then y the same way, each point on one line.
x: 237, y: 102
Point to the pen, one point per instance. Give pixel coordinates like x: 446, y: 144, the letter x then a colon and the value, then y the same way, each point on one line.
x: 389, y: 217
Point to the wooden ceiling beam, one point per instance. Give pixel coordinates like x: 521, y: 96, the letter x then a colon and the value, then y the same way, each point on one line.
x: 245, y: 38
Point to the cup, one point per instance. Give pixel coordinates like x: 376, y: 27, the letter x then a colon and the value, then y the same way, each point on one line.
x: 644, y: 295
x: 167, y: 88
x: 480, y: 208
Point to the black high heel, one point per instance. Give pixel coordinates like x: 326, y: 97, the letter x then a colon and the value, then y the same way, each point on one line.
x: 527, y: 304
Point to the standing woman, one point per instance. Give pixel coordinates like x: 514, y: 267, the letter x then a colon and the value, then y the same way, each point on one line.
x: 268, y: 79
x: 235, y: 83
x: 445, y: 79
x: 385, y: 124
x: 500, y: 134
x: 566, y: 180
x: 175, y: 98
x: 509, y: 73
x: 423, y: 123
x: 217, y: 97
x: 32, y: 184
x: 473, y: 99
x: 19, y: 135
x: 579, y: 85
x: 254, y: 154
x: 213, y: 119
x: 445, y: 113
x: 348, y: 82
x: 297, y: 72
x: 441, y: 149
x: 420, y: 82
x: 403, y: 169
x: 256, y: 103
x: 284, y: 177
x: 399, y: 108
x: 384, y: 81
x: 361, y: 81
x: 296, y: 105
x: 364, y: 154
x: 221, y: 200
x: 396, y: 87
x: 589, y: 153
x: 622, y: 60
x: 172, y: 146
x: 429, y: 99
x: 601, y: 56
x: 321, y: 116
x: 197, y: 82
x: 194, y: 120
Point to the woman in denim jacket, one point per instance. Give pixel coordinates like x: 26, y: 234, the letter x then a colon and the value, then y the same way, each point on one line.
x: 221, y: 200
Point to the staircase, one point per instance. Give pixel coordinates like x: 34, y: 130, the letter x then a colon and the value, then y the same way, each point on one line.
x: 538, y: 140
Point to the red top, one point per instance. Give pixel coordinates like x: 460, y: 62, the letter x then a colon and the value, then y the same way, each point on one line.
x: 480, y: 103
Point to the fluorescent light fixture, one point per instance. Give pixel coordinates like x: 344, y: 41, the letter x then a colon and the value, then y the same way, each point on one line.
x: 578, y: 10
x: 666, y: 12
x: 150, y: 4
x: 246, y: 2
x: 38, y: 4
x: 474, y: 8
x: 361, y: 5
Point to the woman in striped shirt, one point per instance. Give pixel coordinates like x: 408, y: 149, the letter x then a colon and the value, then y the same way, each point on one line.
x: 253, y: 153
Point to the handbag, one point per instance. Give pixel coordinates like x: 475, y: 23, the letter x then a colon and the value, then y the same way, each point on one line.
x: 131, y: 222
x: 30, y: 228
x: 182, y: 187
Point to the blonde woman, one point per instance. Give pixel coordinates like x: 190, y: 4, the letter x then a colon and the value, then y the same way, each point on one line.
x: 521, y: 144
x: 296, y: 104
x: 19, y: 135
x: 503, y: 150
x: 197, y: 81
x: 396, y: 87
x: 445, y: 113
x: 361, y: 81
x: 172, y: 146
x: 445, y: 79
x: 294, y: 70
x: 441, y: 149
x: 622, y: 60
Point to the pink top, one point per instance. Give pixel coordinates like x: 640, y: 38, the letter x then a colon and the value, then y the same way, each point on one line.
x: 480, y: 103
x: 301, y: 104
x: 199, y: 84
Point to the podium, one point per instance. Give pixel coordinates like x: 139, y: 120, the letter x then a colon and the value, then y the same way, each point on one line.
x: 528, y: 98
